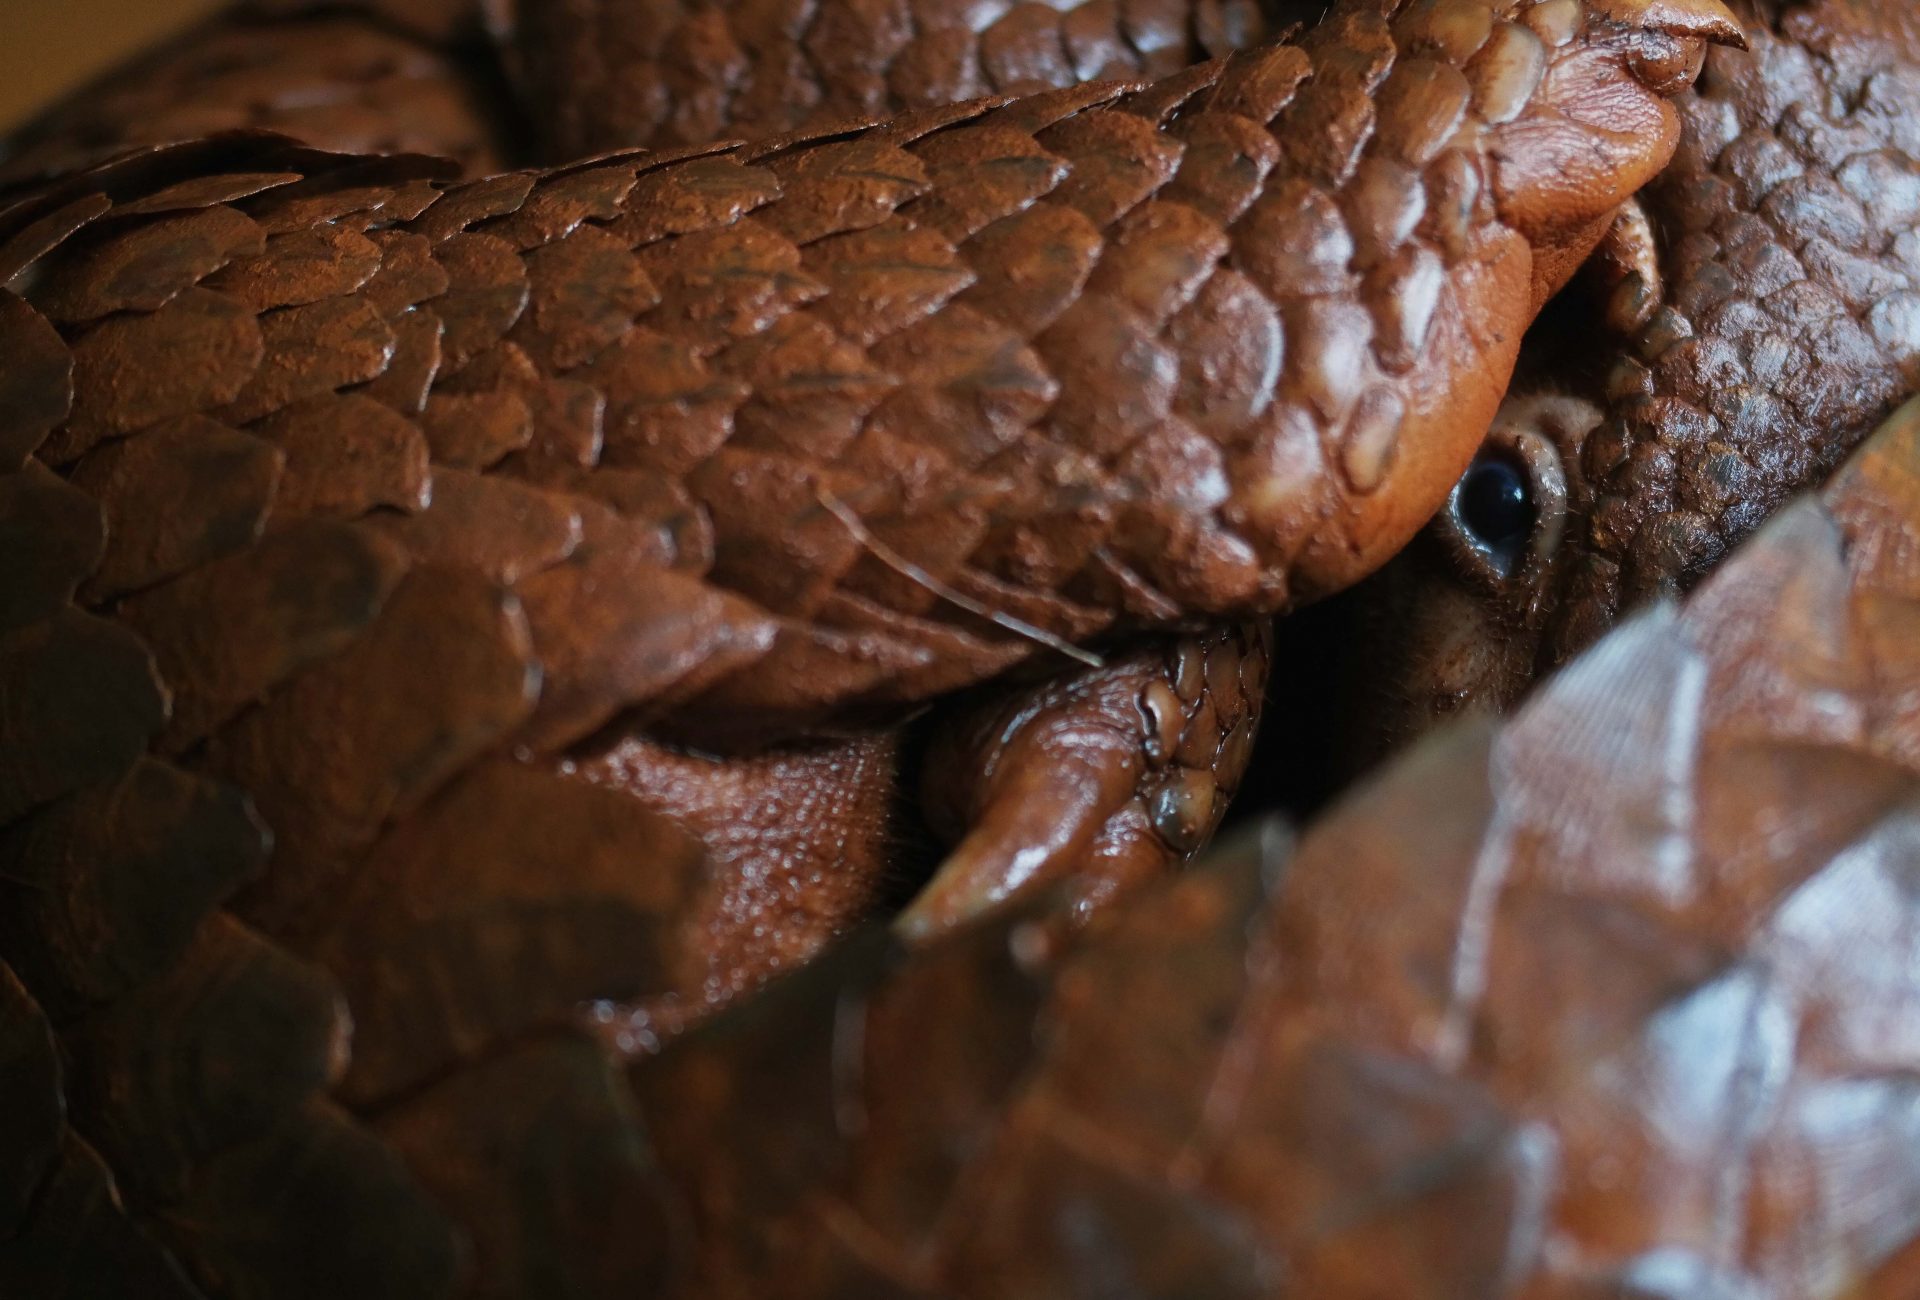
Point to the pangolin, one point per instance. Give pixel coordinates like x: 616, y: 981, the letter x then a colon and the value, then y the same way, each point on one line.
x: 396, y: 547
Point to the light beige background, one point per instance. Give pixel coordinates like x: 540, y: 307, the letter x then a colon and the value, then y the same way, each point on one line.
x: 50, y: 46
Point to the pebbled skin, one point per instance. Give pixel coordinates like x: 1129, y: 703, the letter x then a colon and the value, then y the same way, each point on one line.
x: 1779, y: 331
x: 1525, y: 1016
x: 386, y: 503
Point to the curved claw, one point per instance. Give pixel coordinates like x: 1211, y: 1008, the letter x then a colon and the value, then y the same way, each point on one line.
x: 1104, y: 780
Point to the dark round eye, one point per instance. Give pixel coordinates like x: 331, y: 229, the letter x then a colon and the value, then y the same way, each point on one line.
x: 1504, y: 520
x: 1497, y: 509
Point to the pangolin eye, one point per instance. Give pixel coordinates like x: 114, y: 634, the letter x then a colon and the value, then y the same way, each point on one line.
x: 1496, y: 508
x: 1504, y: 521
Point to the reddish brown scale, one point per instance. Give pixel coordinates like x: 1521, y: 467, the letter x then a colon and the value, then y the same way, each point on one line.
x: 1765, y: 330
x: 1529, y: 1015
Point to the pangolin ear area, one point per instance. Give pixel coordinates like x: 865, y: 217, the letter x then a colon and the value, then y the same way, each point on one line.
x: 1707, y: 20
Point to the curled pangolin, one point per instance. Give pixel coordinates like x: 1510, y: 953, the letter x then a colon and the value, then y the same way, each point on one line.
x: 517, y: 475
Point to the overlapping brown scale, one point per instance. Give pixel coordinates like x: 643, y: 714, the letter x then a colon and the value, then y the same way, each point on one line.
x: 489, y: 525
x: 145, y: 268
x: 443, y: 676
x: 756, y: 1098
x: 977, y: 382
x: 312, y: 350
x: 107, y: 887
x: 175, y: 497
x: 54, y: 536
x: 586, y: 290
x: 560, y: 201
x: 226, y: 1048
x: 765, y: 1159
x: 1342, y: 1221
x: 32, y: 1109
x: 900, y: 551
x: 1035, y: 263
x: 705, y: 194
x: 350, y: 1187
x: 1133, y: 1233
x: 36, y: 387
x: 356, y: 190
x: 1206, y: 950
x: 767, y: 504
x: 620, y: 509
x: 300, y: 267
x: 811, y: 391
x: 407, y: 275
x: 944, y: 658
x: 503, y: 905
x: 540, y: 1157
x: 418, y: 348
x: 226, y: 634
x: 900, y: 1181
x: 475, y: 431
x: 839, y: 186
x: 624, y: 72
x: 183, y: 174
x: 345, y: 456
x: 466, y: 205
x: 1130, y: 159
x: 487, y: 291
x: 80, y: 1242
x: 80, y: 701
x: 807, y: 672
x: 198, y: 352
x: 202, y: 191
x: 368, y: 732
x: 884, y: 280
x: 616, y: 631
x: 33, y: 229
x: 724, y: 284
